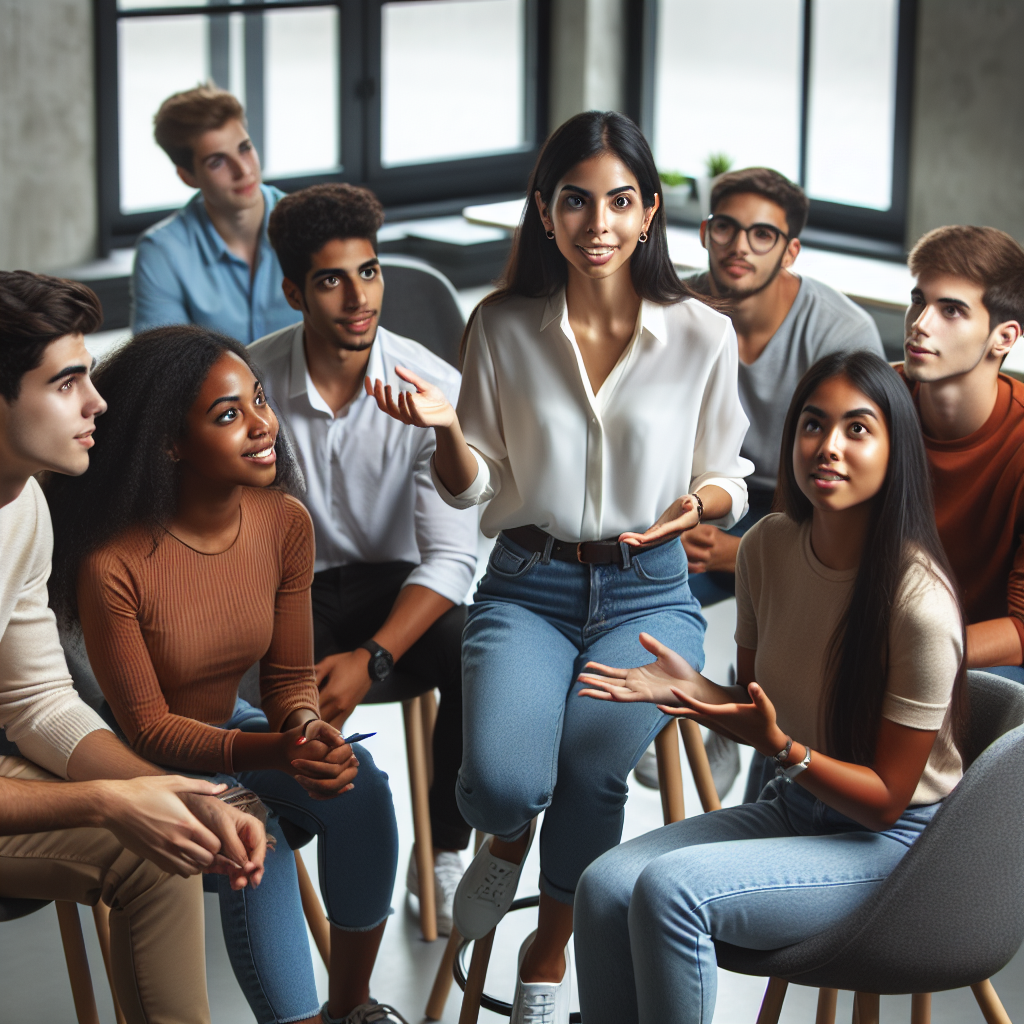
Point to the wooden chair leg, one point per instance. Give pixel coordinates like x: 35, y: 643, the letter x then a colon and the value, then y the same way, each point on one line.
x: 771, y: 1004
x: 670, y: 775
x: 420, y: 789
x: 444, y: 978
x: 78, y: 962
x: 319, y: 926
x: 101, y: 915
x: 475, y: 980
x: 989, y: 1003
x: 921, y: 1008
x: 827, y: 998
x: 693, y: 743
x: 428, y: 711
x: 865, y: 1007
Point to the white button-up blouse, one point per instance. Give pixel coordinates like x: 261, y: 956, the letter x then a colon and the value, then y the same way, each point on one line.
x: 584, y: 466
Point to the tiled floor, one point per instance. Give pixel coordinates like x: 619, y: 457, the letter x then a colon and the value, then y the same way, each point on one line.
x: 33, y: 980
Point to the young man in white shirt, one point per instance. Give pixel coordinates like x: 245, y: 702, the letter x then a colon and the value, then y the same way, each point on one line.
x: 139, y: 840
x: 784, y: 324
x: 393, y: 561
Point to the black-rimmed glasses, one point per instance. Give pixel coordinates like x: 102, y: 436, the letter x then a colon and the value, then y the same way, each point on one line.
x: 762, y: 238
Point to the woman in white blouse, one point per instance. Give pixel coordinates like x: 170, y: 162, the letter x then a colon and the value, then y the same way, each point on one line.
x: 598, y: 397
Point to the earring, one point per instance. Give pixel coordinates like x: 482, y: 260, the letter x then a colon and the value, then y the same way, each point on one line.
x: 550, y: 234
x: 643, y: 236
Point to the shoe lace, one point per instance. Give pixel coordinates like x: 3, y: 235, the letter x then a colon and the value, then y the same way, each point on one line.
x: 538, y: 1008
x: 375, y: 1013
x: 495, y: 884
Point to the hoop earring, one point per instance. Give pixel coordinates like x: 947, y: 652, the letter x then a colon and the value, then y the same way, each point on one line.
x: 643, y: 236
x: 550, y: 234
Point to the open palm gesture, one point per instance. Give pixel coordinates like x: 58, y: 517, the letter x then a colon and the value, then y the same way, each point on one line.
x: 424, y: 407
x: 650, y: 684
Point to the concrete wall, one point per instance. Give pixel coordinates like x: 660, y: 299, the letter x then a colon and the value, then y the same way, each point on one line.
x: 47, y: 134
x: 967, y: 141
x: 588, y: 57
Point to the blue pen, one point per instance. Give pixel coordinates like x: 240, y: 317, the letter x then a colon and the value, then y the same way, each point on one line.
x: 358, y: 737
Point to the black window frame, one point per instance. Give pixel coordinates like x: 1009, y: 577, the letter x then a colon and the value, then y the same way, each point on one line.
x: 419, y: 187
x: 830, y: 225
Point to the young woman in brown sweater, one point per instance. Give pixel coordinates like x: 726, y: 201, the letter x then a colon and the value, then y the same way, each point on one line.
x: 186, y: 560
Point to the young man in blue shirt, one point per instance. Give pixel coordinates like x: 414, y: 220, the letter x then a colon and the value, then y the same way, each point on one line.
x: 211, y: 263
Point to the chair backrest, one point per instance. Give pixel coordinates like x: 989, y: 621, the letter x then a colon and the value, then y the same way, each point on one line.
x: 11, y: 909
x: 420, y: 303
x: 950, y: 914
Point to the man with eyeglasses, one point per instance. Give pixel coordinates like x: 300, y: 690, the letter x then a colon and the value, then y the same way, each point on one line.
x: 784, y: 323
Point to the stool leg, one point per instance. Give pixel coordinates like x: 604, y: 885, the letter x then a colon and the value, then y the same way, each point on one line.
x: 78, y: 962
x: 315, y: 917
x: 670, y: 775
x: 865, y: 1006
x: 989, y: 1004
x: 475, y: 981
x: 693, y: 743
x: 419, y: 788
x: 771, y: 1004
x: 921, y: 1008
x: 827, y: 998
x: 444, y: 978
x: 428, y: 710
x: 101, y: 915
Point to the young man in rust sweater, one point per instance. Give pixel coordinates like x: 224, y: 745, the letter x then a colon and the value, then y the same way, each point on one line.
x: 965, y: 314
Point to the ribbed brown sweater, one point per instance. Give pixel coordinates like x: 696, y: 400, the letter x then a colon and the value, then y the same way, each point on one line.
x: 170, y: 632
x: 979, y: 507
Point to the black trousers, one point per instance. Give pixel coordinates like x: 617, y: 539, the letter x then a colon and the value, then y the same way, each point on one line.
x: 350, y: 603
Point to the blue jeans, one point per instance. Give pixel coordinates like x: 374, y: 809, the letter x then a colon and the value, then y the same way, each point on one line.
x: 760, y: 875
x: 264, y: 928
x: 530, y: 743
x: 711, y: 587
x: 1014, y: 672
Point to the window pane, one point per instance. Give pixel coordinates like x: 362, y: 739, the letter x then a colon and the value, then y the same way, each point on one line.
x: 452, y: 82
x: 852, y: 102
x: 727, y: 80
x: 300, y: 89
x: 156, y: 57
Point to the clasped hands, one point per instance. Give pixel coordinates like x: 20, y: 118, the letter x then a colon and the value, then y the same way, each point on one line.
x: 318, y: 758
x: 679, y: 689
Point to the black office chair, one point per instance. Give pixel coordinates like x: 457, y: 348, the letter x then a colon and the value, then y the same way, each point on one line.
x: 420, y: 303
x: 952, y: 912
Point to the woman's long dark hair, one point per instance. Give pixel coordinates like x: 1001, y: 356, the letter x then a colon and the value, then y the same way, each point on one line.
x: 150, y: 385
x: 535, y: 267
x: 901, y: 533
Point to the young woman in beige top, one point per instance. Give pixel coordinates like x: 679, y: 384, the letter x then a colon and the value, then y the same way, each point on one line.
x: 848, y: 622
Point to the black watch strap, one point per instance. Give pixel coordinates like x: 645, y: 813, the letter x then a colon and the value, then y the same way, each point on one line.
x: 381, y: 660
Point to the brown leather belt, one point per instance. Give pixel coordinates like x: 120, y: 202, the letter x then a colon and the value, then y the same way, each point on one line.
x: 588, y: 552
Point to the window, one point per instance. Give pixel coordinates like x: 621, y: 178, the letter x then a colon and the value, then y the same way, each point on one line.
x: 817, y: 89
x: 424, y: 101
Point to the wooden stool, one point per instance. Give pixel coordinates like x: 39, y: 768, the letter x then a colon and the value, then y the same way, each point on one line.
x: 670, y: 784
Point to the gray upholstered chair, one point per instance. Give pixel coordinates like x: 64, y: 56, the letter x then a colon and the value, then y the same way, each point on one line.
x: 951, y: 914
x: 420, y: 303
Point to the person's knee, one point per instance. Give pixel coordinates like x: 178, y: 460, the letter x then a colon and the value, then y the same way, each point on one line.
x: 603, y: 892
x: 501, y: 803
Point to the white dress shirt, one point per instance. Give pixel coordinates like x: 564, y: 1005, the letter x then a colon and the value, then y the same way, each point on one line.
x: 368, y: 487
x: 666, y: 422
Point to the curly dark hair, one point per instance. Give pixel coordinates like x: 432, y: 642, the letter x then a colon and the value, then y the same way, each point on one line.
x: 35, y: 310
x: 304, y: 222
x: 150, y: 385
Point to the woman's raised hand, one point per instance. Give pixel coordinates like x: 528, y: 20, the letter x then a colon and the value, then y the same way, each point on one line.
x: 679, y: 517
x: 424, y: 407
x: 654, y: 683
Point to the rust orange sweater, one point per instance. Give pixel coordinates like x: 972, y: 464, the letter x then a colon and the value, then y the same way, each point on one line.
x: 979, y: 508
x: 170, y: 631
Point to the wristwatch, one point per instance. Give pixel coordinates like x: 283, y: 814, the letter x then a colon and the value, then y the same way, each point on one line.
x: 381, y: 664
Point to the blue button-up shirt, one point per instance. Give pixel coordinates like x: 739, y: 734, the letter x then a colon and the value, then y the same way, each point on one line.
x: 185, y: 274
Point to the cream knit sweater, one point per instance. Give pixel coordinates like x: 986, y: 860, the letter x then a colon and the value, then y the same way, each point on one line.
x: 39, y: 708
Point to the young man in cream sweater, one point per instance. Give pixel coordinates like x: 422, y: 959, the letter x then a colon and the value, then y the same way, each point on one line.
x: 119, y: 829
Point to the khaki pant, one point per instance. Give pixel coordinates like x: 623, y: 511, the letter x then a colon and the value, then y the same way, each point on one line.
x: 156, y: 920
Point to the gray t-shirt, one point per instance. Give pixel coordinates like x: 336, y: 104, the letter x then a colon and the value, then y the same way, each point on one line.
x: 820, y: 321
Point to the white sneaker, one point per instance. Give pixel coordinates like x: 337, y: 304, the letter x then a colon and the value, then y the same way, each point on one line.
x: 486, y: 891
x: 537, y: 1002
x: 646, y: 770
x: 448, y: 870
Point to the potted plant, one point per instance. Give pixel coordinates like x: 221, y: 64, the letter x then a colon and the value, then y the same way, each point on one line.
x: 677, y: 195
x: 716, y: 165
